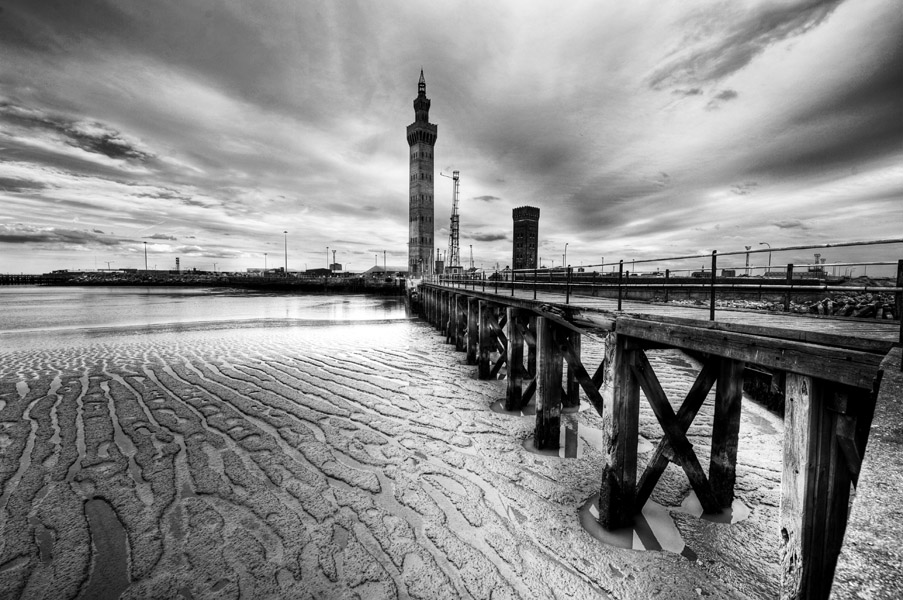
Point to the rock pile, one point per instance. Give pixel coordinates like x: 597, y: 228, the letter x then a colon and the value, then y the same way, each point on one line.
x: 866, y: 306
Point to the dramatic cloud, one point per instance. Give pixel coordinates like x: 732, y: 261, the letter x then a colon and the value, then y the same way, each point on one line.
x: 639, y: 130
x: 19, y: 233
x: 8, y: 184
x: 723, y: 39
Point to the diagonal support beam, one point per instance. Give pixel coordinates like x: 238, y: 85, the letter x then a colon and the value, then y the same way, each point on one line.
x: 683, y: 449
x: 583, y: 378
x: 685, y: 415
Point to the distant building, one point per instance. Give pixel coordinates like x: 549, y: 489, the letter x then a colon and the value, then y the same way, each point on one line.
x: 380, y: 272
x: 421, y: 140
x: 526, y: 237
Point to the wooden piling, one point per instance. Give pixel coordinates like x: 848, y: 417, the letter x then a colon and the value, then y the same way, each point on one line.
x: 548, y: 386
x: 443, y: 312
x: 460, y: 321
x: 515, y: 360
x: 530, y: 338
x: 621, y: 431
x: 572, y: 385
x: 815, y: 490
x: 472, y: 335
x: 484, y: 365
x: 726, y: 430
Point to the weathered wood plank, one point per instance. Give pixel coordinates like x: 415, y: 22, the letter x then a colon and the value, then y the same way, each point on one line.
x: 620, y: 427
x: 685, y: 415
x: 726, y: 430
x: 548, y: 387
x: 683, y: 449
x: 849, y: 367
x: 823, y: 337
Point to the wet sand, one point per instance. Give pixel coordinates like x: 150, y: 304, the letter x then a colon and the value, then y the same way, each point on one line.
x: 338, y: 461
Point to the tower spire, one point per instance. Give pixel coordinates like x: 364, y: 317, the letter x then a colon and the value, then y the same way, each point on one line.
x: 421, y: 85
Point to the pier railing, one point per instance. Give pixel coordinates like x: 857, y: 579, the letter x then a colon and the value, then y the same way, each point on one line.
x: 781, y: 284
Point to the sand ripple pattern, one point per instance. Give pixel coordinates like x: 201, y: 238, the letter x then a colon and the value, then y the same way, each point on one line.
x: 320, y: 462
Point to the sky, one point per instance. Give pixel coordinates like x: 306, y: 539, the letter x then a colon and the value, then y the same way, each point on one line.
x: 205, y: 129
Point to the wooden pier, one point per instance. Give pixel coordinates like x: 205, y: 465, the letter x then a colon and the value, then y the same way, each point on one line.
x: 831, y: 371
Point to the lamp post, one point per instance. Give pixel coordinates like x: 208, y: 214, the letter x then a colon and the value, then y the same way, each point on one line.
x: 285, y: 233
x: 145, y: 256
x: 769, y: 255
x: 564, y: 258
x: 264, y: 264
x: 747, y: 259
x: 327, y: 258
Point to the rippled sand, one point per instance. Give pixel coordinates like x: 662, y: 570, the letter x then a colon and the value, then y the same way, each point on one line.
x: 329, y: 462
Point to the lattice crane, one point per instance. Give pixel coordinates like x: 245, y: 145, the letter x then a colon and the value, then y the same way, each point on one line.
x: 453, y: 259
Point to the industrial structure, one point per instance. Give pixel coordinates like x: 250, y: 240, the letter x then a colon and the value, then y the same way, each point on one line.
x: 421, y: 140
x: 526, y: 237
x: 453, y: 258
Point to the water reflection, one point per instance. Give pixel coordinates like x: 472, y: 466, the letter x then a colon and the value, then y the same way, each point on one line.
x: 572, y: 440
x: 654, y: 528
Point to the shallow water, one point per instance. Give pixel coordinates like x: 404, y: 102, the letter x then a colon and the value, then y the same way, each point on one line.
x: 334, y: 457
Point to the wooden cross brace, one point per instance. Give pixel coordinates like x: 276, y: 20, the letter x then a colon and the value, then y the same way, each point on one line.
x: 715, y: 491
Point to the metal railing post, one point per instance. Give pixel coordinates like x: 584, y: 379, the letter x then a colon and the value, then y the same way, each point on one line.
x: 620, y: 281
x: 567, y: 285
x: 787, y: 293
x: 513, y: 277
x: 535, y: 281
x: 712, y: 297
x: 898, y: 305
x: 667, y: 289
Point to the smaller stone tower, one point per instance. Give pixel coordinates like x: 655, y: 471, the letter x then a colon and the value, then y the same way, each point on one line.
x: 526, y: 237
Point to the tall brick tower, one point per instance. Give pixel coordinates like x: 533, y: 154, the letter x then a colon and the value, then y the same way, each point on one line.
x: 526, y: 237
x: 421, y: 139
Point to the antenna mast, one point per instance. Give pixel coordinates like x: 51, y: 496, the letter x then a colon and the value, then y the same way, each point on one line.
x: 453, y: 258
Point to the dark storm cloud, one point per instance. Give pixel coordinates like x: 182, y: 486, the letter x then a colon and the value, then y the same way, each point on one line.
x: 485, y: 237
x: 744, y: 189
x: 689, y: 92
x: 19, y: 233
x: 161, y: 236
x: 486, y: 198
x: 790, y: 224
x: 9, y: 184
x: 747, y: 35
x: 98, y: 231
x: 90, y: 136
x: 721, y: 97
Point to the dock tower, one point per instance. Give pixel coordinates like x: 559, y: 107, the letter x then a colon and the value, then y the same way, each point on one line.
x: 421, y: 140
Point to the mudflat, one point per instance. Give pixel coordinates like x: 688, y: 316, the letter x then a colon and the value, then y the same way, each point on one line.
x: 338, y: 461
